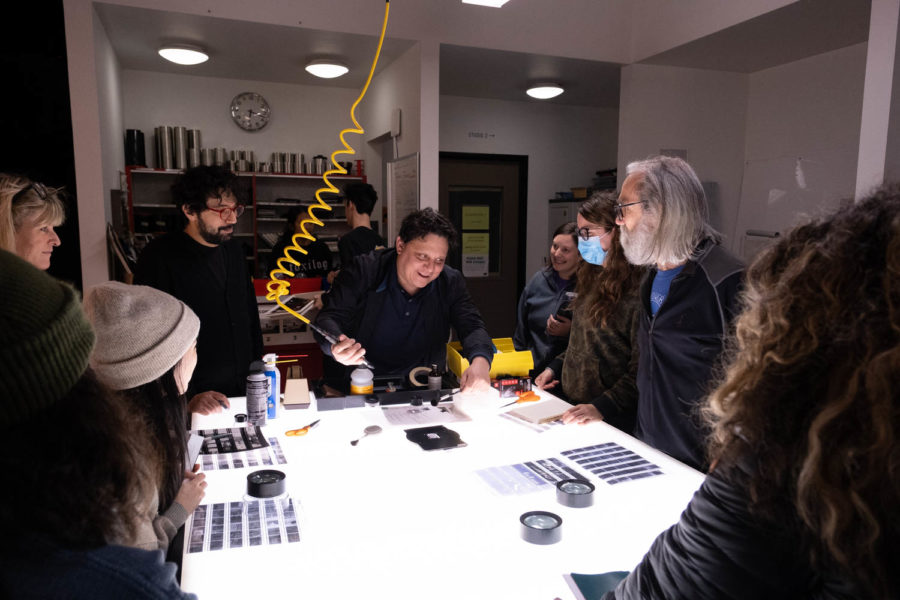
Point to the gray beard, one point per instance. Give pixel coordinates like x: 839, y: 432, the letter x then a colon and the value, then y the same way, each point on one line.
x: 637, y: 244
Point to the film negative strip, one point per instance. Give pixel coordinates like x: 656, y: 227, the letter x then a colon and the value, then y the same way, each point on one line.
x: 233, y: 525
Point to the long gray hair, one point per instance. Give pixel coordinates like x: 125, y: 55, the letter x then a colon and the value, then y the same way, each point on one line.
x: 672, y: 191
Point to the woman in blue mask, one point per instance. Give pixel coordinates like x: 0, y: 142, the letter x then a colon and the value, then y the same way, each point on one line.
x: 544, y: 316
x: 597, y: 370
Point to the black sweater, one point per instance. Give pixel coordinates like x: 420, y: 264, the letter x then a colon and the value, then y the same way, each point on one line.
x: 217, y: 286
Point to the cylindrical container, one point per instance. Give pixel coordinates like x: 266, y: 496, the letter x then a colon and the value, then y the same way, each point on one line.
x: 288, y: 162
x: 135, y: 154
x: 435, y: 378
x: 297, y: 162
x: 251, y: 156
x: 575, y: 493
x: 265, y: 167
x: 304, y: 166
x: 207, y: 157
x: 220, y: 157
x: 257, y: 393
x: 274, y: 376
x: 320, y: 161
x: 362, y: 381
x: 360, y: 168
x: 194, y: 157
x: 179, y: 147
x: 164, y: 159
x: 193, y: 137
x: 241, y: 165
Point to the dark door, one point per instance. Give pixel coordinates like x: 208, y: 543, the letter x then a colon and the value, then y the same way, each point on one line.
x: 484, y: 196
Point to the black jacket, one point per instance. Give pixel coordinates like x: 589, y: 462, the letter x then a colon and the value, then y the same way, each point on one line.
x: 230, y: 336
x: 354, y: 304
x: 720, y: 550
x: 679, y: 348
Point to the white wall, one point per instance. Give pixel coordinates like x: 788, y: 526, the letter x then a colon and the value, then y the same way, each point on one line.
x: 701, y: 111
x: 397, y: 86
x: 565, y: 145
x: 808, y: 113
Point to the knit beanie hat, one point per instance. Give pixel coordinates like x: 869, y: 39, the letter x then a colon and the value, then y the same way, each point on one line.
x: 45, y: 340
x: 142, y: 332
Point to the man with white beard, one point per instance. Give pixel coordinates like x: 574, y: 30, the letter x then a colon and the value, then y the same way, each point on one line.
x: 690, y: 296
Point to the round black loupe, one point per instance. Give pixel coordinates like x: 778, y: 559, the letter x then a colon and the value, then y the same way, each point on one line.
x: 240, y: 418
x: 267, y: 483
x: 575, y: 493
x: 540, y: 527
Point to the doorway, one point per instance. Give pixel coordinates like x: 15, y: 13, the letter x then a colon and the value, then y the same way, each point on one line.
x: 485, y: 195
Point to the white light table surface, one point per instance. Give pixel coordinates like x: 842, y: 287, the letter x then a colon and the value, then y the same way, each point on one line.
x: 386, y: 519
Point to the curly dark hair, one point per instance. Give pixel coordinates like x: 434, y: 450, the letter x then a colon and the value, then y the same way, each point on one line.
x: 420, y: 223
x: 811, y: 390
x: 165, y: 416
x: 362, y: 196
x: 602, y: 288
x: 88, y: 480
x: 196, y: 185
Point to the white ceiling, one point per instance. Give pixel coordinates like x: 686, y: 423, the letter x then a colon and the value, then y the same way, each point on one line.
x: 270, y: 52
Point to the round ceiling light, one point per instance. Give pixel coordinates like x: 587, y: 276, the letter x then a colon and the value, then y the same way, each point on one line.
x: 545, y: 91
x: 326, y: 69
x: 184, y: 55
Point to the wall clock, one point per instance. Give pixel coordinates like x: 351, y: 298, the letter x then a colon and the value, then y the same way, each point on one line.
x: 250, y: 111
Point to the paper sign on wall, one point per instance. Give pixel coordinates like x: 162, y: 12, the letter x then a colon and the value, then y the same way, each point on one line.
x: 476, y: 217
x: 475, y: 252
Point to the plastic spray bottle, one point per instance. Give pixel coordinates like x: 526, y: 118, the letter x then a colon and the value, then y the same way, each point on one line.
x: 274, y: 385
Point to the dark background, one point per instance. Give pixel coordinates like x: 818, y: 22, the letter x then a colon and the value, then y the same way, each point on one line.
x: 37, y: 116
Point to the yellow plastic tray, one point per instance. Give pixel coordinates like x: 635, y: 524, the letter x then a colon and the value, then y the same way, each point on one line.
x: 507, y: 360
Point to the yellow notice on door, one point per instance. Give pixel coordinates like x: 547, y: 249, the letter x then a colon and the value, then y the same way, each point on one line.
x: 476, y: 243
x: 476, y: 217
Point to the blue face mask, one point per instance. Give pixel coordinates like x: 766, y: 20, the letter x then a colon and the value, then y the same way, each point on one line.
x: 591, y: 250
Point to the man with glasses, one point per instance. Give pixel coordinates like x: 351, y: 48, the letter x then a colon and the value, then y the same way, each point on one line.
x: 395, y: 307
x: 689, y: 296
x: 204, y: 267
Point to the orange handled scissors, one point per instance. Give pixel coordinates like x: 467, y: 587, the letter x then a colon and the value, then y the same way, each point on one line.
x: 302, y: 430
x: 528, y: 396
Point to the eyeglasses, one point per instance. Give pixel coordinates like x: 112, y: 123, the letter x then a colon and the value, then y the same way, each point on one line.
x: 585, y: 232
x: 620, y: 214
x: 225, y: 213
x: 39, y: 188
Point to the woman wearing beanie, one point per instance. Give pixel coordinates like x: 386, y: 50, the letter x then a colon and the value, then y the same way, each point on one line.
x: 146, y: 348
x: 74, y: 457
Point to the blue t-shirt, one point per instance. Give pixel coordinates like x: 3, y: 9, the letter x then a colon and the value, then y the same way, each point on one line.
x: 661, y: 283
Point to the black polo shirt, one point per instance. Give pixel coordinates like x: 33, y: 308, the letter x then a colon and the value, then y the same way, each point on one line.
x: 399, y: 340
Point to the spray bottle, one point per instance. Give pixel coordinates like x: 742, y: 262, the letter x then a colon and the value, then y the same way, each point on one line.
x: 274, y: 385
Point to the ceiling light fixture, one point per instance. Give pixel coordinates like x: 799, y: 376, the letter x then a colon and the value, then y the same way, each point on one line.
x: 545, y: 91
x: 326, y: 69
x: 492, y: 3
x: 184, y: 55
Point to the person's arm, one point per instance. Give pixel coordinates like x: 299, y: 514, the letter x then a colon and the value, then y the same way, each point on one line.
x: 719, y: 549
x: 522, y: 335
x: 345, y: 299
x: 622, y: 396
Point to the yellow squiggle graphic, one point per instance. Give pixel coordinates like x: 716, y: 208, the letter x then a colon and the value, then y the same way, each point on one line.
x: 279, y: 287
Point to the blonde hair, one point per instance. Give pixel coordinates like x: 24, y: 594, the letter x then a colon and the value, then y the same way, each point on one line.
x: 22, y: 200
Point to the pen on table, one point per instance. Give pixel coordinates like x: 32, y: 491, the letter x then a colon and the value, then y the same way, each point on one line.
x: 450, y: 395
x: 528, y: 396
x: 332, y: 340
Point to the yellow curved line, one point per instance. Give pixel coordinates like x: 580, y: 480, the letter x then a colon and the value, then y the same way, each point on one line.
x: 278, y: 287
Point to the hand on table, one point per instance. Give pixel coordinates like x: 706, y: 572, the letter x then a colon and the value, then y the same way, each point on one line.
x: 348, y: 351
x: 582, y: 414
x: 191, y: 491
x: 558, y: 326
x: 545, y: 380
x: 477, y: 378
x: 206, y: 403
